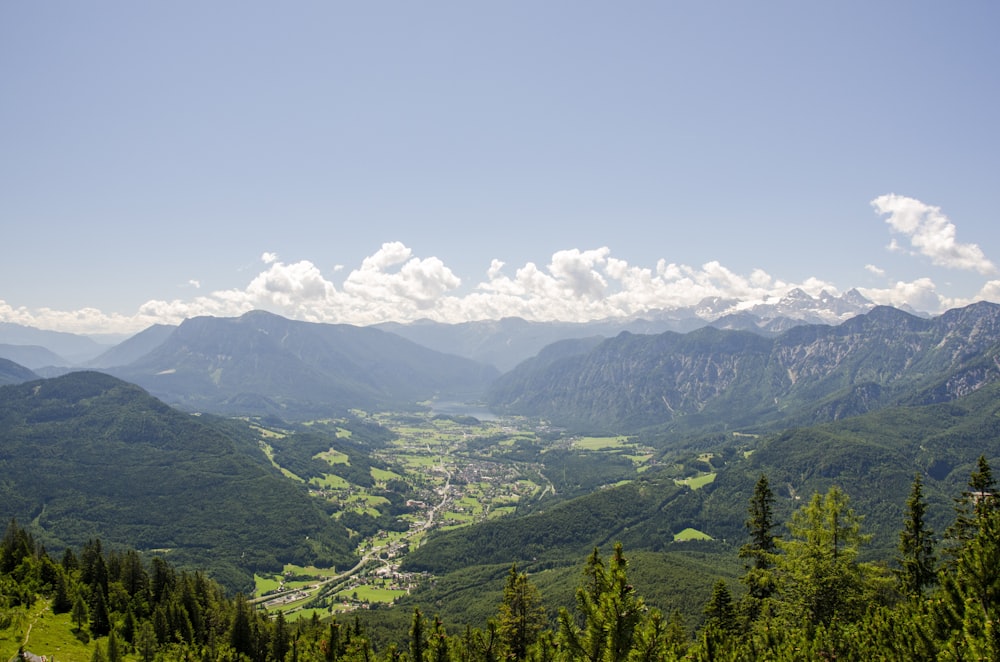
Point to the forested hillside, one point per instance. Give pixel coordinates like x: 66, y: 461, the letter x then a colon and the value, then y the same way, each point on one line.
x: 14, y: 373
x: 87, y: 455
x: 803, y: 595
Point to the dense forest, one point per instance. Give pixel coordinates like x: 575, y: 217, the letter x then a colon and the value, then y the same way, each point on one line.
x: 805, y: 594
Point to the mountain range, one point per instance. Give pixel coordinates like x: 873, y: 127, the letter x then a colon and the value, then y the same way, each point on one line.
x: 501, y: 343
x: 864, y: 403
x: 263, y: 364
x: 710, y: 379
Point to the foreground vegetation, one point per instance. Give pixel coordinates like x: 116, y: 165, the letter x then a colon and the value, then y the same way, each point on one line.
x: 804, y: 596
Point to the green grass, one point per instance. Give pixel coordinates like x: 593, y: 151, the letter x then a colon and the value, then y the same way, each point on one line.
x: 264, y: 584
x: 599, y: 443
x: 52, y: 635
x: 333, y: 457
x: 691, y: 534
x: 331, y: 482
x: 694, y: 482
x: 383, y: 475
x: 371, y: 594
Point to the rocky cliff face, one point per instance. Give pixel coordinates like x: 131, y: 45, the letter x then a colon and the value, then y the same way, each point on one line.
x: 807, y: 374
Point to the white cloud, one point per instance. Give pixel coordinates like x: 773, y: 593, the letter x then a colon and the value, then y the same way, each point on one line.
x: 930, y: 233
x: 871, y: 268
x: 990, y: 291
x: 393, y: 284
x: 920, y: 294
x: 195, y: 284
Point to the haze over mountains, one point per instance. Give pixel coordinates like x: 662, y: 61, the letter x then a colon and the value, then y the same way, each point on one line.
x: 502, y: 343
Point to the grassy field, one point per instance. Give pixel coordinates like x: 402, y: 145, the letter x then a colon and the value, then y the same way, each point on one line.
x: 370, y: 594
x: 691, y: 534
x: 333, y: 457
x: 600, y: 443
x: 51, y: 635
x: 694, y: 482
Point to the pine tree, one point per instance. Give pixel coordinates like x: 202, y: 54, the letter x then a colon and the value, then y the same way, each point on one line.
x: 759, y: 551
x: 146, y: 641
x: 241, y: 635
x: 79, y: 614
x: 418, y: 640
x: 916, y: 557
x: 818, y: 574
x: 438, y: 644
x: 522, y: 616
x: 61, y: 601
x: 114, y: 648
x: 100, y: 619
x: 611, y: 612
x: 279, y: 638
x: 719, y: 611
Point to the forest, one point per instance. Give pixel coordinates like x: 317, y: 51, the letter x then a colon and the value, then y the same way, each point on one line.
x: 805, y: 594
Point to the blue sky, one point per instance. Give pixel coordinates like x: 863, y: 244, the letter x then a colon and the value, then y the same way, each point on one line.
x: 356, y: 162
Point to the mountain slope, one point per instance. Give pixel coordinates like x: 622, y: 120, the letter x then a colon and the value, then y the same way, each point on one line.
x: 262, y: 363
x: 506, y: 342
x: 872, y: 458
x: 70, y: 347
x: 14, y: 373
x: 711, y: 379
x: 31, y: 356
x: 134, y: 348
x: 87, y: 455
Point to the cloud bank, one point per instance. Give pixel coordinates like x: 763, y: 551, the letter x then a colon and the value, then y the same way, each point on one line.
x: 931, y: 234
x: 576, y: 285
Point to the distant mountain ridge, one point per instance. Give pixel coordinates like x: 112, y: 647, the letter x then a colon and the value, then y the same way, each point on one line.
x: 264, y: 364
x: 808, y: 374
x: 31, y: 356
x: 502, y: 343
x: 508, y: 341
x: 70, y: 348
x: 14, y: 373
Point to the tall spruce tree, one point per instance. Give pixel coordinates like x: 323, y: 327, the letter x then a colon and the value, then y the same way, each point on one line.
x: 917, y: 562
x: 418, y: 638
x: 759, y: 551
x: 522, y: 616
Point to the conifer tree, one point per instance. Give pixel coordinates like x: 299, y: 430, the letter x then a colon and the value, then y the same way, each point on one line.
x: 610, y: 609
x: 438, y: 648
x: 279, y: 637
x: 522, y: 616
x: 418, y: 639
x: 818, y: 574
x: 759, y: 551
x: 241, y: 634
x: 100, y: 619
x: 719, y: 611
x: 114, y: 647
x: 79, y: 614
x: 916, y: 557
x: 145, y: 643
x: 61, y: 601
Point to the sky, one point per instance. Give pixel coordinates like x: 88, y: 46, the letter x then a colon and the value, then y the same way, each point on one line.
x: 366, y: 162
